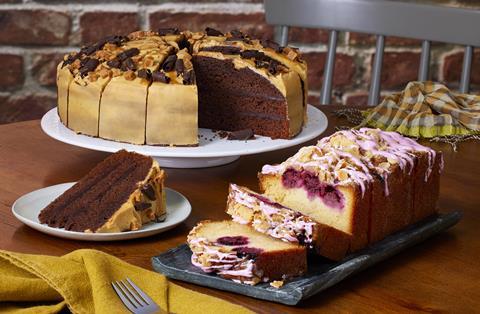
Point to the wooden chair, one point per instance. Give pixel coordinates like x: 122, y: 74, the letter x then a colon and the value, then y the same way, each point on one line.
x: 427, y: 22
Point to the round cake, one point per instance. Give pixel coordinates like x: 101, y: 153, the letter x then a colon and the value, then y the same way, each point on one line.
x: 158, y: 88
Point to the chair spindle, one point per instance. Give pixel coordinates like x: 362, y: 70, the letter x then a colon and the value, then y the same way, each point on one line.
x: 374, y: 94
x: 467, y: 65
x: 424, y: 61
x: 326, y: 93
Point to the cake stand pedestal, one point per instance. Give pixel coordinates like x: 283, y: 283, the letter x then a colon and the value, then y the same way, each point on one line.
x: 179, y: 162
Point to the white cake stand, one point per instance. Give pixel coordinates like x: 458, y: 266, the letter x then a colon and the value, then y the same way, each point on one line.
x: 212, y: 150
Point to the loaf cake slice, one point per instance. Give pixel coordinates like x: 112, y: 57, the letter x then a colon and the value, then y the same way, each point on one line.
x: 123, y: 192
x: 281, y: 222
x: 238, y: 252
x: 367, y: 183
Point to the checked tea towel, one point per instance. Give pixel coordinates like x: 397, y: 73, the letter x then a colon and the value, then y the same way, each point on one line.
x: 426, y: 109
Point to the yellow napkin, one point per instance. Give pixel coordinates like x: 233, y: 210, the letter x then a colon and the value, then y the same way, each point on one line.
x: 81, y: 280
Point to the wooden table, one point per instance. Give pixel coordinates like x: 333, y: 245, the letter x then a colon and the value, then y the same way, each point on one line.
x: 441, y: 274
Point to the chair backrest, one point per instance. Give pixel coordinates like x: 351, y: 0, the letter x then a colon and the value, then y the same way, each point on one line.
x: 427, y: 22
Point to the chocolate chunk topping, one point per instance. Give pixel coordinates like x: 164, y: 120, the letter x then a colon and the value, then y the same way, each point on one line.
x: 141, y: 205
x: 253, y: 54
x: 179, y: 67
x: 128, y: 53
x: 184, y: 43
x: 89, y: 66
x: 115, y: 63
x: 236, y: 34
x: 261, y: 64
x: 271, y: 44
x: 213, y: 32
x: 169, y: 63
x: 189, y: 78
x: 232, y: 241
x: 88, y: 50
x: 228, y: 50
x: 71, y: 59
x: 273, y: 67
x: 161, y: 218
x: 241, y: 135
x: 128, y: 64
x: 113, y: 39
x: 158, y: 76
x: 147, y: 189
x: 145, y: 74
x: 168, y: 31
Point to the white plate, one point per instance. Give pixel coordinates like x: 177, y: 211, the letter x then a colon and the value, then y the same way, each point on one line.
x: 212, y: 150
x: 27, y: 208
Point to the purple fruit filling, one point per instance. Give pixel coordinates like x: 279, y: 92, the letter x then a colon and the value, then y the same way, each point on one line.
x: 249, y: 252
x: 233, y: 241
x: 267, y: 201
x: 332, y: 197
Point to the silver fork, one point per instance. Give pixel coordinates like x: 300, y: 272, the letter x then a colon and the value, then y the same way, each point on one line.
x: 137, y: 301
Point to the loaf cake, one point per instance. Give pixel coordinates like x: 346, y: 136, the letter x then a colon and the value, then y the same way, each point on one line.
x: 366, y: 183
x: 238, y: 252
x: 123, y: 192
x: 158, y: 88
x: 278, y: 221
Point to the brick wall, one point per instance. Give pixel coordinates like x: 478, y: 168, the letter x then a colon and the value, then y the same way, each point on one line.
x: 35, y: 34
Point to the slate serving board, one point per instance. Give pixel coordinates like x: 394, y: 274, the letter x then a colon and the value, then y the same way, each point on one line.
x: 322, y: 273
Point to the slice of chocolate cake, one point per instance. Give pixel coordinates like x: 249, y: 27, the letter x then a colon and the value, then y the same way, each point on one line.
x: 278, y: 221
x: 238, y: 252
x: 123, y: 192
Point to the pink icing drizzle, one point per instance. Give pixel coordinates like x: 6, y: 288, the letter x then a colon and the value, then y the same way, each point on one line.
x: 390, y: 145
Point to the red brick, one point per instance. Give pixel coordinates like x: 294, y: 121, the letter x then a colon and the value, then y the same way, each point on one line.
x: 313, y: 99
x: 399, y: 68
x: 44, y: 67
x: 452, y: 68
x: 343, y: 72
x: 358, y: 98
x: 34, y: 27
x: 97, y: 25
x: 11, y: 68
x: 252, y: 24
x: 307, y: 35
x: 26, y: 107
x: 362, y: 39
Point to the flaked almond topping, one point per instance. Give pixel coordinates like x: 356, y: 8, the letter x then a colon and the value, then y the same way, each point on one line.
x: 129, y: 75
x: 76, y: 64
x: 137, y: 58
x: 110, y: 47
x: 104, y: 72
x: 116, y: 72
x: 93, y: 76
x: 148, y: 61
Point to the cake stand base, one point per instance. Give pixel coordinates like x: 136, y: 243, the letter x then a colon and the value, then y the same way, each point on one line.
x: 180, y: 162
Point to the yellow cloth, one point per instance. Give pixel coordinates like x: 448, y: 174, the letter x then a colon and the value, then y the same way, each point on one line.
x: 426, y: 109
x: 81, y: 280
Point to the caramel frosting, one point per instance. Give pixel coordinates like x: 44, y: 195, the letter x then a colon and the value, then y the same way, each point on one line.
x: 356, y: 156
x: 107, y: 84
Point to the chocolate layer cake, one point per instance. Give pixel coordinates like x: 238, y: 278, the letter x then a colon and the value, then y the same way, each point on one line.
x: 238, y: 252
x: 278, y: 221
x: 157, y: 88
x: 121, y: 193
x: 366, y: 183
